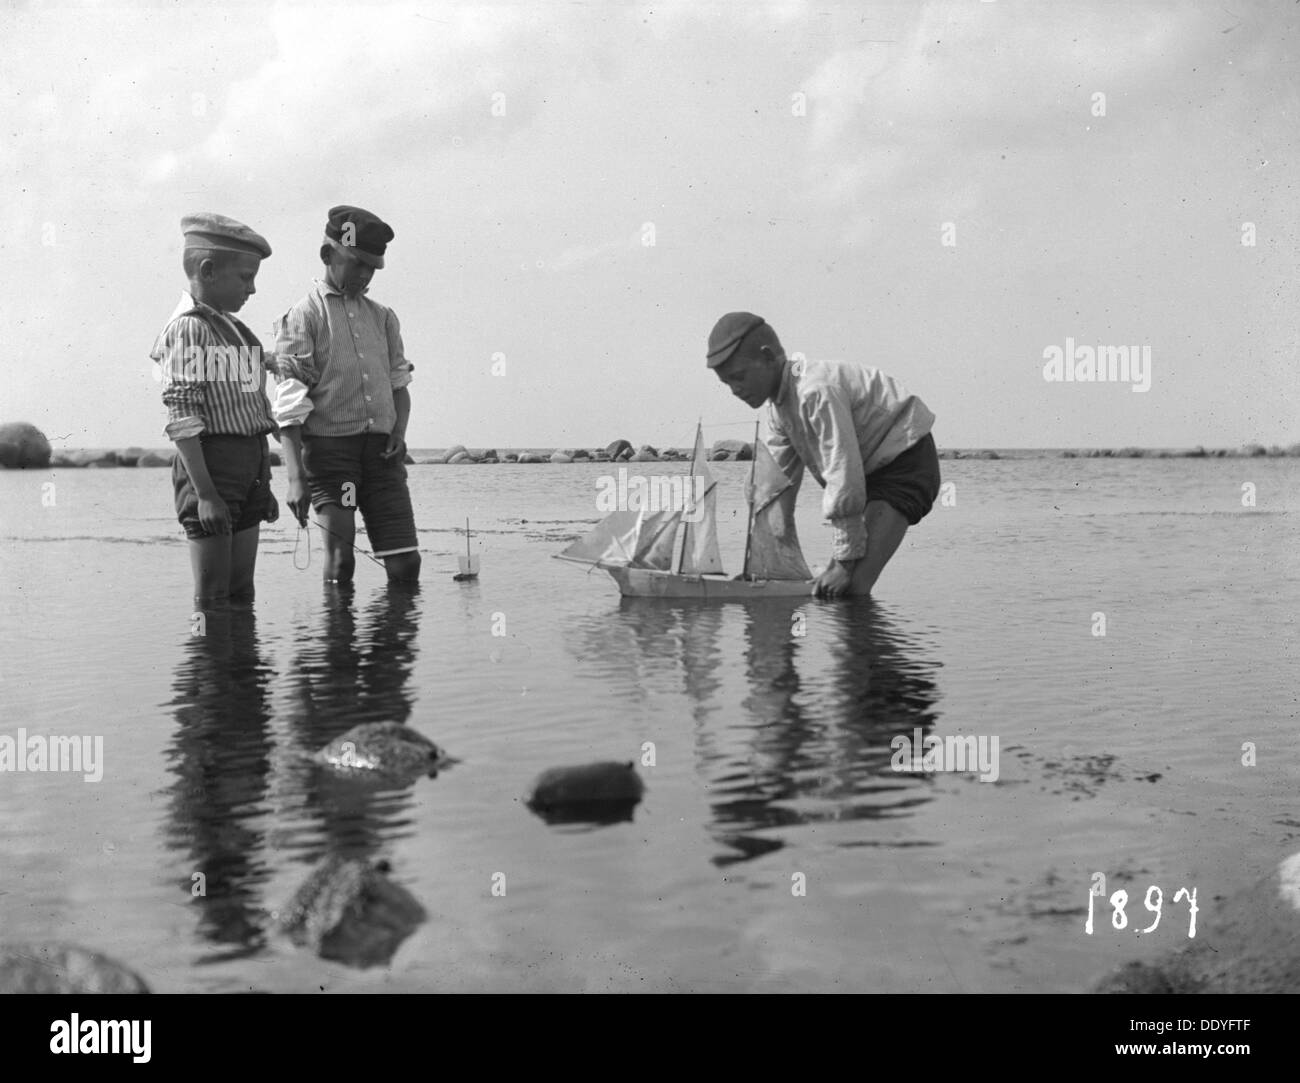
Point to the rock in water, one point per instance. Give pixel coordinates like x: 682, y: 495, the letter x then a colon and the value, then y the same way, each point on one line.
x: 63, y: 968
x: 383, y: 750
x: 619, y: 449
x: 595, y: 793
x: 349, y: 911
x: 23, y: 446
x: 737, y: 450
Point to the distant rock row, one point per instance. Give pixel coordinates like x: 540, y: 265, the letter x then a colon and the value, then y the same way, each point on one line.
x: 620, y: 451
x: 23, y: 446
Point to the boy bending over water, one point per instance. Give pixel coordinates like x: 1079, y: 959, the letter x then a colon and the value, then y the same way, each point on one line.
x: 862, y: 435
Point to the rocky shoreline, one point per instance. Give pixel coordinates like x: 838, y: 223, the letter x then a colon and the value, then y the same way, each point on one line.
x: 23, y: 446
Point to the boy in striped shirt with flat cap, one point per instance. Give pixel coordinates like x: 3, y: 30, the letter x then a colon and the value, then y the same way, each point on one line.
x: 218, y: 415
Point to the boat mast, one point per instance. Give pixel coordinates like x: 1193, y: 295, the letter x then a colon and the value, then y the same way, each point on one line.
x: 749, y: 495
x: 686, y: 527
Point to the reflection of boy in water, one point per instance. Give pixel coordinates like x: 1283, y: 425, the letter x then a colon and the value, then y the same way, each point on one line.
x: 861, y: 434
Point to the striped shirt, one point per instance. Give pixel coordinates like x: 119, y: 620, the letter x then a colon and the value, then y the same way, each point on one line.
x: 340, y: 359
x: 842, y: 421
x: 213, y: 374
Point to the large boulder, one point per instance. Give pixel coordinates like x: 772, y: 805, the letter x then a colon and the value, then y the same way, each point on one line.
x: 580, y: 453
x: 153, y: 458
x: 735, y: 449
x: 619, y: 449
x: 461, y: 457
x: 534, y: 457
x: 23, y: 446
x: 63, y: 968
x: 452, y: 452
x: 645, y: 454
x: 560, y: 457
x: 511, y: 458
x: 128, y: 456
x: 719, y: 456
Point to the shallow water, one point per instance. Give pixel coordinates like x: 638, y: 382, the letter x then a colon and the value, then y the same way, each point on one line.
x: 771, y: 726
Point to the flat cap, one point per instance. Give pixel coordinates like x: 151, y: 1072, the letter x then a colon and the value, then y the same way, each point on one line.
x: 359, y: 234
x: 207, y: 230
x: 727, y: 334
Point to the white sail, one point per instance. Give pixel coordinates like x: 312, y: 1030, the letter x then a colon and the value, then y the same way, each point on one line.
x: 655, y: 534
x: 774, y: 551
x: 699, y: 552
x: 613, y: 541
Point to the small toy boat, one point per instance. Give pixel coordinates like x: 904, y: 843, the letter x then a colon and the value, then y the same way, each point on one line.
x: 468, y: 563
x: 640, y: 549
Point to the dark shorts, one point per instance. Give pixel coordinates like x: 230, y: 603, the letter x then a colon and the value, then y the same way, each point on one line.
x: 910, y: 483
x: 348, y: 471
x: 240, y: 468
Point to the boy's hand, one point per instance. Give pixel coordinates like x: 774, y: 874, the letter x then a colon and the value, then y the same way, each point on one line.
x: 214, y: 515
x: 272, y: 510
x: 396, y: 447
x: 299, y: 500
x: 834, y: 582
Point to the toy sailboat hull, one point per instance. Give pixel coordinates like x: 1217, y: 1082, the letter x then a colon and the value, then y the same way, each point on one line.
x: 641, y: 552
x: 653, y: 583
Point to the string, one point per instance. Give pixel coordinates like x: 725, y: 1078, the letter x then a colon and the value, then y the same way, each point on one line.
x: 310, y: 523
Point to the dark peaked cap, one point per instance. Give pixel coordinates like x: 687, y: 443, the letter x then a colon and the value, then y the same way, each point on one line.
x: 204, y: 230
x: 367, y: 238
x: 727, y: 334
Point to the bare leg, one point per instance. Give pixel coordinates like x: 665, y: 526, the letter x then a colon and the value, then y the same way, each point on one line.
x: 403, y: 567
x: 243, y: 560
x: 885, y: 529
x: 210, y: 561
x: 340, y: 532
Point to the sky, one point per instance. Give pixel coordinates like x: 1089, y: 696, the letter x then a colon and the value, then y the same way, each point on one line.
x: 946, y: 191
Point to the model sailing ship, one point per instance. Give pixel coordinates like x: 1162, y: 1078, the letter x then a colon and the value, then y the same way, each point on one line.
x: 642, y: 549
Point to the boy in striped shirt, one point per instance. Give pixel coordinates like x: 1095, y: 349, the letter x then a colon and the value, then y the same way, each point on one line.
x: 218, y: 414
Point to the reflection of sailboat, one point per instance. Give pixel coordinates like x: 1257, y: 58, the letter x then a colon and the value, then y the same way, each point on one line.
x: 640, y: 549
